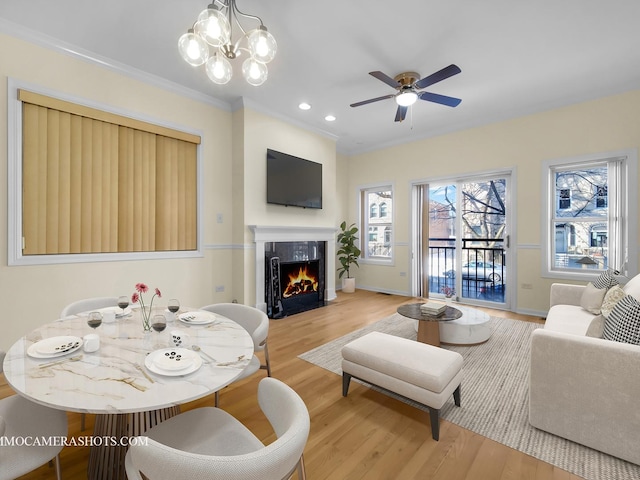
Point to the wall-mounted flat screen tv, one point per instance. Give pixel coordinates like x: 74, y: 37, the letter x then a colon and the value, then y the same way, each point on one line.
x: 293, y: 181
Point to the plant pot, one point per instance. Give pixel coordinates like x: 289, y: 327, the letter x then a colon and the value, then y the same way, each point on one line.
x: 349, y: 285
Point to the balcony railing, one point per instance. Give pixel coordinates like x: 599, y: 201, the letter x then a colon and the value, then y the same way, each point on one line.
x: 482, y: 268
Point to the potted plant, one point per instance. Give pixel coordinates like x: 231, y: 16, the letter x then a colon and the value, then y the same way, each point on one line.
x: 348, y: 254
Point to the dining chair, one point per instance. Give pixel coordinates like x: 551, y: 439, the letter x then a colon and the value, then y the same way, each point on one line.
x: 87, y: 304
x: 208, y: 442
x: 256, y: 323
x: 22, y: 419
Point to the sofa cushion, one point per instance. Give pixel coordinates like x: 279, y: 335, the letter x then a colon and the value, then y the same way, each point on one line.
x: 596, y: 327
x: 613, y: 296
x: 568, y: 319
x: 632, y: 287
x: 592, y: 298
x: 623, y: 323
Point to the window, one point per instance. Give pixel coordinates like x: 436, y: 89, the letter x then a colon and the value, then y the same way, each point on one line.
x: 374, y: 211
x: 378, y: 202
x: 383, y: 209
x: 588, y: 226
x: 564, y: 199
x: 86, y: 183
x: 601, y: 196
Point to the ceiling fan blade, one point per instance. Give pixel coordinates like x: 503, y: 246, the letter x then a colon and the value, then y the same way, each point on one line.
x: 441, y: 99
x: 401, y: 113
x: 383, y: 77
x: 371, y: 100
x: 440, y: 75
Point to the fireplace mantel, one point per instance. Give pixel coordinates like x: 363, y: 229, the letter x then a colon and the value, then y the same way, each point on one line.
x: 267, y: 233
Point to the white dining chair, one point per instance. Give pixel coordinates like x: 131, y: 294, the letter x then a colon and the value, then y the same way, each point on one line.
x: 88, y: 304
x: 256, y: 323
x: 209, y: 443
x: 21, y: 420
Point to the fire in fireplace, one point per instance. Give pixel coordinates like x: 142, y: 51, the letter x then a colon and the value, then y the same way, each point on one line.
x: 304, y: 281
x: 294, y: 277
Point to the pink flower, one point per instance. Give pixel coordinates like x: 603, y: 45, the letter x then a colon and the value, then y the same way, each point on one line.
x: 144, y: 309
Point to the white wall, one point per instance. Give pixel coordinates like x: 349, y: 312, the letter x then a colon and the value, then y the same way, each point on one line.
x: 603, y: 125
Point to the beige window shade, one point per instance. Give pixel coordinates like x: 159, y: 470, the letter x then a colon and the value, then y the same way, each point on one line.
x: 92, y: 186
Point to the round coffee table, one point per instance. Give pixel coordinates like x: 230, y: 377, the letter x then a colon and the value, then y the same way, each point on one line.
x: 428, y: 325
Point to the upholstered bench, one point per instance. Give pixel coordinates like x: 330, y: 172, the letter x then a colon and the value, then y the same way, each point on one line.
x: 423, y: 373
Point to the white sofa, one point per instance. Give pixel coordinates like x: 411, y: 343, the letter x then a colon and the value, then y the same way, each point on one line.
x: 585, y: 388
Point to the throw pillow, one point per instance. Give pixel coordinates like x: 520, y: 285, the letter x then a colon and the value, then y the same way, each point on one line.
x: 605, y: 280
x: 613, y: 296
x: 596, y: 327
x: 623, y: 324
x: 592, y: 298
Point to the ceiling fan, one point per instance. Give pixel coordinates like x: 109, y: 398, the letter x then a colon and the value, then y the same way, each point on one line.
x: 407, y: 86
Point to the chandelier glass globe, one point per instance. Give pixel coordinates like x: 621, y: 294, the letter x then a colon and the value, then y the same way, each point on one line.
x: 212, y: 25
x: 262, y: 45
x: 193, y: 49
x: 254, y: 72
x: 219, y: 69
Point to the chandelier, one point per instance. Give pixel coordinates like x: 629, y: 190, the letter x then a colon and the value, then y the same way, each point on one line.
x: 214, y: 28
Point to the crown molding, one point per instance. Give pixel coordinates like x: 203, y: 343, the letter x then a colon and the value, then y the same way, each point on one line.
x: 59, y: 46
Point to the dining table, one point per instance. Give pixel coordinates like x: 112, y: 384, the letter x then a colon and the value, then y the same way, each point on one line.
x: 134, y: 380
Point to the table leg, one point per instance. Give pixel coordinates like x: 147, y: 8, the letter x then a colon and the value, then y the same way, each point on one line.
x: 429, y: 332
x: 106, y: 461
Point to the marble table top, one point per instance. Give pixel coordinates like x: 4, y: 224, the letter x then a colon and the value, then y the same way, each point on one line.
x: 114, y: 379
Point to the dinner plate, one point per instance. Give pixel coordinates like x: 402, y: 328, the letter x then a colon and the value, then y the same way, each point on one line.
x: 54, y: 346
x: 117, y: 311
x: 171, y: 361
x: 197, y: 318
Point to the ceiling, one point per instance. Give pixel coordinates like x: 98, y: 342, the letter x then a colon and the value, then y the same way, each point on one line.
x: 516, y: 57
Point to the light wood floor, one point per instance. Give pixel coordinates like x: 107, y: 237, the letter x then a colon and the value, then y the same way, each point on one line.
x: 366, y: 435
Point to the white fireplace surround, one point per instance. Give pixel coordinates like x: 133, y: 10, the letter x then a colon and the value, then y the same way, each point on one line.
x: 263, y: 234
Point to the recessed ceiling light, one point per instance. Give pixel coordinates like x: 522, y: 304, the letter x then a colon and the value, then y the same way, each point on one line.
x: 329, y: 118
x: 304, y: 106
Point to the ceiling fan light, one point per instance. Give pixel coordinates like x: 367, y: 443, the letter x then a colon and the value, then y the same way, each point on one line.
x: 407, y: 98
x: 262, y: 45
x: 212, y: 25
x: 193, y: 49
x: 219, y: 69
x: 254, y: 72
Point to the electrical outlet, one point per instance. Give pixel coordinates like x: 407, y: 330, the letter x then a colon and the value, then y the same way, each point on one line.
x: 526, y: 286
x: 219, y: 288
x: 403, y: 274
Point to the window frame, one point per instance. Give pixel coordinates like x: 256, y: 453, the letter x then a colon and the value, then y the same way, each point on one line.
x: 15, y: 178
x: 620, y: 212
x: 364, y: 225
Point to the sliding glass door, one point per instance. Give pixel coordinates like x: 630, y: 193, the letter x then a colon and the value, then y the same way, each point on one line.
x: 466, y: 249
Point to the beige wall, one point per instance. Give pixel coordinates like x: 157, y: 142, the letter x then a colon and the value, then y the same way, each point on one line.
x: 603, y: 125
x: 33, y: 295
x: 260, y: 132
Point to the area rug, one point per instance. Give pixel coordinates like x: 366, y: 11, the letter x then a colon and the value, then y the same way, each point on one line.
x: 495, y: 396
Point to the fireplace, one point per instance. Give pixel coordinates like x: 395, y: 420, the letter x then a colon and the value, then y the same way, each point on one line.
x: 294, y: 277
x: 266, y: 235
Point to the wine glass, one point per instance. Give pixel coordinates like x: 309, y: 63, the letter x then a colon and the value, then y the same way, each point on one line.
x: 123, y: 302
x: 158, y: 323
x: 94, y: 320
x: 173, y: 306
